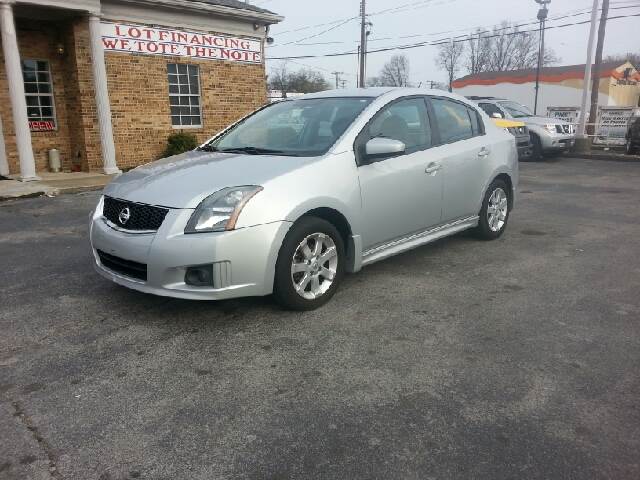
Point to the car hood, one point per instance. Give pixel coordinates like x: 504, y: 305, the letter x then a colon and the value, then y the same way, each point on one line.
x: 535, y: 120
x: 184, y: 180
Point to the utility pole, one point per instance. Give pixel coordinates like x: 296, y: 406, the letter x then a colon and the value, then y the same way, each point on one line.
x: 587, y: 72
x: 595, y: 82
x: 542, y: 17
x: 337, y: 74
x: 363, y: 41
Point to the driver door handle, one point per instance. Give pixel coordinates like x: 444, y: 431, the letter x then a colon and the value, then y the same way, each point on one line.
x: 484, y: 151
x: 433, y: 168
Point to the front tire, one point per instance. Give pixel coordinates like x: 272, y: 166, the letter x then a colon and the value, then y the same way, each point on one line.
x: 310, y: 265
x: 495, y: 210
x: 536, y: 148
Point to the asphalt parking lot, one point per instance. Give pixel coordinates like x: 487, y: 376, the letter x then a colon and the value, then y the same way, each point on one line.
x: 464, y: 359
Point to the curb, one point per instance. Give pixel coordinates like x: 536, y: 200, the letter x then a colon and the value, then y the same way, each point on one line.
x: 52, y: 192
x: 611, y: 157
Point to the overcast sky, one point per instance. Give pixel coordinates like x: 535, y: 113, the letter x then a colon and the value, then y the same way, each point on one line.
x: 427, y: 20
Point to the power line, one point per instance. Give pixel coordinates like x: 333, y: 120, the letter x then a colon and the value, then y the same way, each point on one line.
x: 320, y: 33
x: 441, y: 41
x: 380, y: 12
x: 570, y: 13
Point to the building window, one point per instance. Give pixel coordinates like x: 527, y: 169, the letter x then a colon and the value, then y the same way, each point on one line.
x: 184, y: 95
x: 39, y: 94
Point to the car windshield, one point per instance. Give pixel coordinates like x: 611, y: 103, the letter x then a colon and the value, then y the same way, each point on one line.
x: 516, y: 110
x: 292, y: 127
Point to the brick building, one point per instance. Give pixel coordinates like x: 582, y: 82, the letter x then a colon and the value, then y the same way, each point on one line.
x: 105, y: 82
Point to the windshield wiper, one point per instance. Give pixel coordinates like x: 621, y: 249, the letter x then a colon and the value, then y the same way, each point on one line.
x: 207, y: 148
x: 256, y: 151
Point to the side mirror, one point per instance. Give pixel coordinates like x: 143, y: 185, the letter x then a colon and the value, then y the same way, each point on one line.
x: 496, y: 115
x: 384, y: 147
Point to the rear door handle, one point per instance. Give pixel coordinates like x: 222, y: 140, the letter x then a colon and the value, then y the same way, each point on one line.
x: 433, y: 168
x: 484, y: 151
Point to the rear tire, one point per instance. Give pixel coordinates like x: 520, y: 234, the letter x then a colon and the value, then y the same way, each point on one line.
x: 495, y: 210
x: 310, y: 265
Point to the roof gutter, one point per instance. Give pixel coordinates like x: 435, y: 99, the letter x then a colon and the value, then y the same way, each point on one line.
x: 220, y: 10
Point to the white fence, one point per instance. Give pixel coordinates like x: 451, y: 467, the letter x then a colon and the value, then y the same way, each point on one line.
x: 610, y: 126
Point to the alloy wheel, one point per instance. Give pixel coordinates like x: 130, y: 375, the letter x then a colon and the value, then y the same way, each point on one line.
x: 314, y: 265
x: 497, y: 209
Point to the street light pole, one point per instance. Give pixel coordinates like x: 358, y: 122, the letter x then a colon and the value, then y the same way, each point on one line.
x: 542, y: 17
x: 363, y: 42
x: 582, y: 122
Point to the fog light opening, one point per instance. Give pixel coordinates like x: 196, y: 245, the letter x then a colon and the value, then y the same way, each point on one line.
x: 199, y: 276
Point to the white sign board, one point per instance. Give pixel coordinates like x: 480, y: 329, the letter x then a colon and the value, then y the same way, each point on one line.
x: 568, y: 114
x: 611, y: 125
x: 118, y: 37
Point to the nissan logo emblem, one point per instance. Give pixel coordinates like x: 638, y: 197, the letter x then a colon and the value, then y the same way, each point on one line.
x: 124, y: 216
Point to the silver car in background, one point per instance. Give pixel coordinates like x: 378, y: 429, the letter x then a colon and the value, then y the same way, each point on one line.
x: 291, y: 197
x: 548, y: 135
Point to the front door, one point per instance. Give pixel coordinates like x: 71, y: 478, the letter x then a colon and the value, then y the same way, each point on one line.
x: 401, y: 194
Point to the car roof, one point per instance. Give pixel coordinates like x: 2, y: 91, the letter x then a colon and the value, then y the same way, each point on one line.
x: 474, y: 98
x: 375, y: 92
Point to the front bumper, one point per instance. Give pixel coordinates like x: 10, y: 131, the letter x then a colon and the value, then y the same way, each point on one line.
x: 243, y: 260
x: 557, y: 142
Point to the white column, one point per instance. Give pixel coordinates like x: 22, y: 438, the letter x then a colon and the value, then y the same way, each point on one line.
x: 103, y: 107
x: 582, y: 121
x: 4, y: 165
x: 16, y: 93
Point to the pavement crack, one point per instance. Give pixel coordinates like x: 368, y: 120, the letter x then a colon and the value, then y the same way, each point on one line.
x: 42, y: 442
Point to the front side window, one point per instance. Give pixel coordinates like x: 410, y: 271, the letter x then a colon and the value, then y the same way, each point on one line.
x: 38, y: 90
x: 184, y: 95
x: 292, y: 127
x: 454, y: 120
x: 405, y: 120
x: 490, y: 109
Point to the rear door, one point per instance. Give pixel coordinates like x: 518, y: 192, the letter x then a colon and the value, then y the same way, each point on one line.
x: 465, y: 156
x: 400, y: 194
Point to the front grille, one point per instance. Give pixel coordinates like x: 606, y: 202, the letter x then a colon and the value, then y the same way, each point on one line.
x: 133, y: 216
x: 565, y: 129
x: 125, y: 267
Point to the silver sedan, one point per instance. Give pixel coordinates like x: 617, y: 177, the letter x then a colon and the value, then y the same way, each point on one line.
x: 293, y: 196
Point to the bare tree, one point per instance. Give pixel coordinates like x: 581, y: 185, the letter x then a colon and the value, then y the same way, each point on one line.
x: 302, y: 81
x: 279, y: 79
x: 449, y: 59
x: 511, y: 49
x: 394, y: 73
x: 307, y: 81
x: 477, y: 58
x: 634, y: 58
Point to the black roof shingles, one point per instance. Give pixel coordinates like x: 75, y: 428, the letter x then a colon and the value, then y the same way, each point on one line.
x: 239, y: 4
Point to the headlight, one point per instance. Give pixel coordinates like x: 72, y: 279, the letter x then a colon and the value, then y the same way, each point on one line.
x: 219, y: 212
x: 550, y: 127
x: 98, y: 212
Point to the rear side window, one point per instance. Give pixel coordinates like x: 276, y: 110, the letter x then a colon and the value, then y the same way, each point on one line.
x: 454, y: 120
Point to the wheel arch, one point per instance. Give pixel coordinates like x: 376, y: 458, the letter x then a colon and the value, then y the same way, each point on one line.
x: 351, y: 242
x: 506, y: 178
